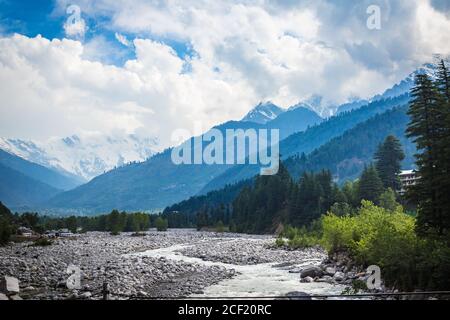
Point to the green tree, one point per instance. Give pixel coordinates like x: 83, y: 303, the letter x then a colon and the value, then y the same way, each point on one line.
x: 202, y: 218
x: 161, y: 224
x: 115, y: 222
x: 5, y: 224
x: 220, y: 226
x: 425, y: 128
x: 29, y: 220
x: 443, y: 192
x: 71, y: 224
x: 370, y: 186
x: 388, y: 159
x: 388, y: 200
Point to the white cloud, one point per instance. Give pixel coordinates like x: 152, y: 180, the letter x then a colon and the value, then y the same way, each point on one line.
x: 76, y: 29
x: 49, y: 89
x: 245, y: 51
x: 122, y: 39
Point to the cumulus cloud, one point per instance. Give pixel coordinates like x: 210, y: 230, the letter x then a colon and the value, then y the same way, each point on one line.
x: 244, y: 52
x: 49, y: 89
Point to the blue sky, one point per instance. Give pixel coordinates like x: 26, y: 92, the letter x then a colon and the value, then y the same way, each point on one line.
x: 34, y: 17
x: 151, y: 67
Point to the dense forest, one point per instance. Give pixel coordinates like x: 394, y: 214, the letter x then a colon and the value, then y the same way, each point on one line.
x: 345, y: 156
x: 184, y: 213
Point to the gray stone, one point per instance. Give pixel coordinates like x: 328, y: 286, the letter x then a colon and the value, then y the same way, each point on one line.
x: 311, y: 271
x: 29, y: 288
x: 3, y: 297
x: 86, y: 295
x: 339, y: 276
x: 9, y: 285
x: 330, y: 271
x: 15, y: 297
x: 307, y: 279
x: 326, y: 279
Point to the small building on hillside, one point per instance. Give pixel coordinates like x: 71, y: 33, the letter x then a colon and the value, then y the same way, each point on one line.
x: 25, y: 232
x: 408, y: 178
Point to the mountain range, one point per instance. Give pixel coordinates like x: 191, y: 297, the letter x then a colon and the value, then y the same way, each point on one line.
x: 158, y: 182
x: 85, y: 156
x: 138, y: 180
x: 24, y: 183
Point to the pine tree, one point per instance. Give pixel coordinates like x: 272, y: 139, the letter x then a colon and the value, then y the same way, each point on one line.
x: 443, y: 192
x: 370, y: 186
x: 425, y: 128
x: 388, y: 162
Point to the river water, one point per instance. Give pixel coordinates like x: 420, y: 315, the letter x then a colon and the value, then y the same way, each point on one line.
x: 260, y: 280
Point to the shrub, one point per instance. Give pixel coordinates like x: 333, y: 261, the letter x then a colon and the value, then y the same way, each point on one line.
x: 42, y: 242
x: 220, y: 227
x: 161, y: 224
x: 279, y: 242
x: 300, y: 237
x: 387, y: 238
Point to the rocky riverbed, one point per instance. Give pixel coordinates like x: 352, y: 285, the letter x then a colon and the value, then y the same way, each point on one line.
x: 177, y: 263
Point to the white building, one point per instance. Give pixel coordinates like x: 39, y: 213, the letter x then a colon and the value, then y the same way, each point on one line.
x: 407, y: 178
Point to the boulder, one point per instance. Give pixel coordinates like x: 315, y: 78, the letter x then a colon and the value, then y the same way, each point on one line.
x: 3, y: 297
x: 310, y: 271
x: 330, y: 271
x: 9, y: 285
x: 326, y: 278
x: 307, y: 279
x: 339, y: 276
x: 86, y: 295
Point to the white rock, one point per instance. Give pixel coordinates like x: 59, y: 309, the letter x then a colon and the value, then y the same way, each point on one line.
x: 9, y: 285
x: 3, y: 297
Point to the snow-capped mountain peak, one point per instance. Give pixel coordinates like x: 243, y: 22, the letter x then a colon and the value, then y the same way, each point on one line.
x: 263, y: 113
x: 87, y: 155
x: 317, y: 104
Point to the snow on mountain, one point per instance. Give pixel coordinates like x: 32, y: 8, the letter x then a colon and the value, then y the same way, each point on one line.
x: 406, y: 84
x: 324, y: 109
x: 317, y: 104
x: 263, y: 113
x: 87, y: 155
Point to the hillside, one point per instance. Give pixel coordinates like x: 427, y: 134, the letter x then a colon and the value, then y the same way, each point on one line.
x: 346, y: 155
x: 158, y: 182
x: 40, y: 173
x: 314, y: 137
x: 19, y: 190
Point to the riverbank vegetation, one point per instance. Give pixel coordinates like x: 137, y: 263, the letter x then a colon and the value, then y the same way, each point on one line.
x: 114, y: 222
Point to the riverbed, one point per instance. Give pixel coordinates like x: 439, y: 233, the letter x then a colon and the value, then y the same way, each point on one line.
x: 177, y: 263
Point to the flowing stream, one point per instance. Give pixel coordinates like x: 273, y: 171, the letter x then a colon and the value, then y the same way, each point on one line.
x: 260, y: 280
